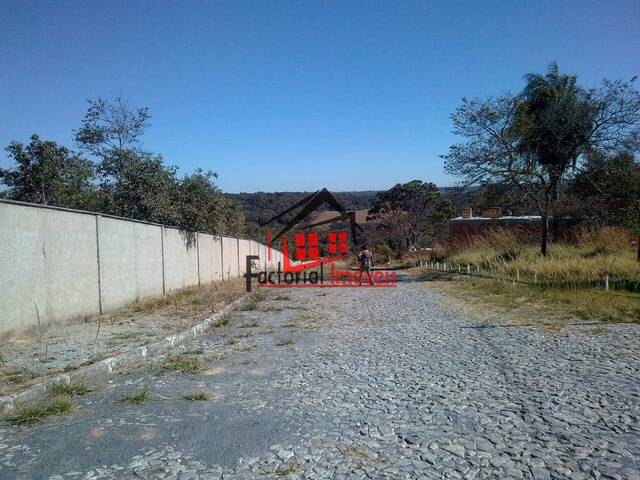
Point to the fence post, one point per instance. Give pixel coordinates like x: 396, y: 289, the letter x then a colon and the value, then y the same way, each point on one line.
x: 535, y: 277
x: 517, y: 274
x: 468, y: 269
x: 445, y: 266
x: 459, y: 267
x: 438, y: 266
x: 606, y: 282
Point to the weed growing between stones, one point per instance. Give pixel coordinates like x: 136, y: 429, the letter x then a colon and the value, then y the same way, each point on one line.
x: 284, y: 341
x: 182, y: 362
x: 35, y: 413
x: 197, y: 396
x: 73, y: 389
x: 141, y: 397
x: 254, y: 300
x: 223, y: 321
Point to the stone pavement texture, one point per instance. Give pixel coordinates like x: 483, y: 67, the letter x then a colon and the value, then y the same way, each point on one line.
x: 359, y: 383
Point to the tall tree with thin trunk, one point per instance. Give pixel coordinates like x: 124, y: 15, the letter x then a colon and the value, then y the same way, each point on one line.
x: 531, y: 141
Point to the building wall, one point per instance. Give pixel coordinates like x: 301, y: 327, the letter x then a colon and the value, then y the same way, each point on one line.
x: 464, y: 230
x: 59, y: 264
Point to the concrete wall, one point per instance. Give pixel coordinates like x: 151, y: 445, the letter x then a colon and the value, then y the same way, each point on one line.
x: 48, y: 266
x: 230, y: 252
x: 210, y: 258
x: 130, y: 261
x: 63, y: 264
x: 244, y: 247
x: 180, y: 259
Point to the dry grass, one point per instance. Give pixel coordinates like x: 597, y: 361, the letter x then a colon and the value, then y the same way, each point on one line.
x: 528, y: 303
x: 223, y: 321
x: 245, y: 348
x: 73, y: 389
x: 355, y: 453
x: 585, y: 263
x: 253, y: 301
x: 294, y: 469
x: 35, y: 413
x: 182, y: 362
x: 284, y: 342
x: 140, y: 397
x: 197, y: 396
x: 248, y: 324
x: 193, y: 300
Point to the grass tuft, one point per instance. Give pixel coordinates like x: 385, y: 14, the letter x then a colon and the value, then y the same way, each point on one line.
x: 254, y: 300
x: 197, y: 396
x: 223, y: 321
x: 248, y: 325
x: 182, y: 362
x: 288, y: 470
x: 32, y: 414
x: 137, y: 398
x: 284, y: 341
x: 73, y: 389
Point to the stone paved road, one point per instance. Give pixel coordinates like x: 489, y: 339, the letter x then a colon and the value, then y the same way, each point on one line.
x: 360, y: 383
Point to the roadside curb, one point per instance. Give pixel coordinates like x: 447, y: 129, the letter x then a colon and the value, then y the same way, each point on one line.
x: 107, y: 366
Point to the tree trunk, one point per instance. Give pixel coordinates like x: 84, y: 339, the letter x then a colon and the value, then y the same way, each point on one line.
x: 544, y: 241
x: 638, y: 238
x: 550, y: 196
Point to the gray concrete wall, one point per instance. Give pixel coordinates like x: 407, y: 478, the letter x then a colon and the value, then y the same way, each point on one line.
x: 230, y: 260
x: 48, y: 266
x: 180, y: 259
x: 130, y: 261
x: 66, y: 264
x: 244, y: 250
x: 209, y: 258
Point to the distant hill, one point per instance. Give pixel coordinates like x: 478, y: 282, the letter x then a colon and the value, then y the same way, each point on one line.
x: 259, y: 207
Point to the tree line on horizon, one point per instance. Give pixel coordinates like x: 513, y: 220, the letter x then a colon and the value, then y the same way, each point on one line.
x: 110, y: 173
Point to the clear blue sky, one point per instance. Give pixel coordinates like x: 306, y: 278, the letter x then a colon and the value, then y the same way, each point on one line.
x: 295, y: 95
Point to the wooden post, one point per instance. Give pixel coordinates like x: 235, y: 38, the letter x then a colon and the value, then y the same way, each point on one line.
x: 468, y: 269
x: 606, y: 282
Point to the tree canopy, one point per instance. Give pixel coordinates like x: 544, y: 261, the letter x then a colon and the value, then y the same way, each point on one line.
x: 532, y: 141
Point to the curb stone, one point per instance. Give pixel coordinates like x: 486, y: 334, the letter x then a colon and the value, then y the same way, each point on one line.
x: 108, y: 365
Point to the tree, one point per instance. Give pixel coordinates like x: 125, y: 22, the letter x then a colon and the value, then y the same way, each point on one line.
x: 203, y: 208
x: 138, y: 185
x: 412, y: 210
x: 109, y: 127
x: 530, y: 142
x: 49, y: 174
x: 609, y: 187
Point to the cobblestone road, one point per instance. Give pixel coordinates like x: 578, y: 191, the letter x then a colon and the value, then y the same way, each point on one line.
x: 359, y: 383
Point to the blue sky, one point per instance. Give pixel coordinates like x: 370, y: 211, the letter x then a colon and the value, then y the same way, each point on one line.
x: 295, y: 95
